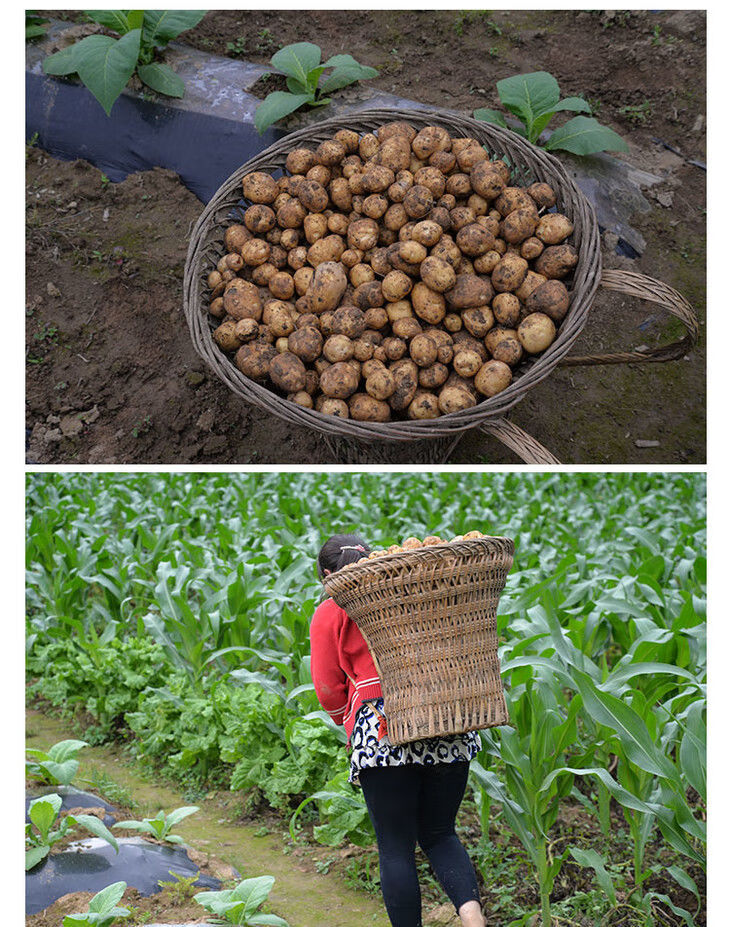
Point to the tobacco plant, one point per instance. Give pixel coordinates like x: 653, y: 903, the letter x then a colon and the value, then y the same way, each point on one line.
x: 41, y: 832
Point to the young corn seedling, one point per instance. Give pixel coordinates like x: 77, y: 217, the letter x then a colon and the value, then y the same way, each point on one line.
x: 160, y: 825
x: 102, y: 910
x: 41, y: 834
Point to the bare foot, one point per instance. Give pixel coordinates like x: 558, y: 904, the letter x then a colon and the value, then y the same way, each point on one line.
x: 471, y: 915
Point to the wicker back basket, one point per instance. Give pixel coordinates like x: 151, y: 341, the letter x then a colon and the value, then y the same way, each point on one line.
x: 344, y: 435
x: 429, y: 618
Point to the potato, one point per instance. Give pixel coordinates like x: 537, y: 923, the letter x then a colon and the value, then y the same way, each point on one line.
x: 512, y: 198
x: 530, y: 283
x: 473, y: 239
x: 290, y: 215
x: 376, y: 317
x: 487, y: 180
x: 394, y: 348
x: 259, y: 219
x: 330, y: 152
x: 297, y: 257
x: 424, y: 405
x: 406, y: 328
x: 380, y: 384
x: 432, y: 178
x: 550, y: 298
x: 340, y: 194
x: 461, y: 216
x: 459, y: 185
x: 236, y: 237
x: 423, y: 350
x: 279, y: 316
x: 504, y: 345
x: 470, y: 291
x: 246, y: 330
x: 315, y: 227
x: 329, y: 406
x: 349, y: 321
x: 437, y: 274
x: 485, y: 263
x: 368, y: 295
x: 465, y: 341
x: 306, y: 343
x: 478, y: 321
x: 509, y: 273
x: 428, y: 304
x: 259, y: 187
x: 397, y: 128
x: 556, y: 261
x: 520, y: 224
x: 225, y: 336
x: 339, y: 381
x: 327, y: 287
x: 536, y: 332
x: 453, y: 398
x: 467, y: 362
x: 242, y: 300
x: 281, y: 285
x: 492, y: 378
x: 506, y: 309
x: 531, y: 248
x: 411, y: 252
x: 364, y: 408
x: 300, y: 161
x: 338, y: 348
x: 452, y: 322
x: 326, y: 249
x: 432, y: 377
x: 217, y: 308
x: 418, y: 201
x: 405, y: 375
x: 362, y: 234
x: 396, y: 285
x: 394, y: 153
x: 287, y: 372
x: 254, y: 359
x: 543, y: 194
x: 553, y: 228
x: 256, y: 252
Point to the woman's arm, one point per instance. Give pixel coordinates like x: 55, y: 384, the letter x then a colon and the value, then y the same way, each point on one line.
x: 330, y: 680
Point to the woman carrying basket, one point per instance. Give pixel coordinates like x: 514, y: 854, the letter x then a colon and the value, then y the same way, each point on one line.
x: 413, y: 792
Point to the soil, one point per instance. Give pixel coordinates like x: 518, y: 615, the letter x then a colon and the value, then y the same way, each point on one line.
x: 257, y: 842
x: 112, y: 377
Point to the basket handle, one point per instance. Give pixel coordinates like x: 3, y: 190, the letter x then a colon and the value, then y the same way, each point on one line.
x: 519, y: 441
x: 643, y: 287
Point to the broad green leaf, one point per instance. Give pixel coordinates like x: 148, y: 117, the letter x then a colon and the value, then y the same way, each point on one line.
x: 346, y: 74
x: 584, y: 135
x: 161, y: 26
x: 616, y: 682
x: 277, y: 105
x: 105, y: 65
x: 680, y: 912
x: 65, y: 750
x: 693, y: 751
x: 135, y: 18
x: 297, y: 60
x: 529, y: 95
x: 174, y: 817
x: 62, y: 63
x: 107, y: 898
x: 162, y: 79
x: 295, y: 86
x: 572, y: 104
x: 61, y: 773
x: 267, y: 920
x: 34, y: 31
x: 97, y: 828
x: 173, y: 838
x: 34, y: 855
x: 490, y: 115
x: 596, y: 862
x: 44, y: 811
x: 114, y: 20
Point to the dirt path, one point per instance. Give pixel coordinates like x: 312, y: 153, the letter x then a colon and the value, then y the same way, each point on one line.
x: 302, y: 897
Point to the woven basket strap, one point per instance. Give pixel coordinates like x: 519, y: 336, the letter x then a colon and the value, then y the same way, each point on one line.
x: 524, y: 445
x: 643, y: 287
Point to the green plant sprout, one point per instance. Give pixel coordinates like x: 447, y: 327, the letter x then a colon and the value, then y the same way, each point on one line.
x: 160, y: 825
x: 240, y: 905
x: 103, y: 910
x: 44, y: 813
x: 301, y: 63
x: 105, y: 64
x: 35, y: 25
x: 534, y: 99
x: 57, y: 767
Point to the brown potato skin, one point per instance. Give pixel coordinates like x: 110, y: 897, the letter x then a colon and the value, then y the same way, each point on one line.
x: 339, y: 381
x: 556, y: 261
x: 519, y: 225
x: 405, y: 375
x: 254, y: 359
x: 288, y: 372
x: 424, y: 405
x: 327, y: 287
x: 536, y: 332
x: 364, y: 408
x: 259, y: 187
x: 553, y: 228
x: 473, y: 239
x: 306, y: 343
x: 493, y: 377
x: 509, y: 273
x: 453, y: 398
x: 506, y: 308
x: 469, y: 292
x: 551, y: 298
x: 437, y: 274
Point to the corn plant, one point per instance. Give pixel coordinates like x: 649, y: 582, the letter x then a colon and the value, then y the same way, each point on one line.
x: 241, y: 905
x: 102, y: 910
x: 41, y: 834
x: 58, y: 766
x: 160, y: 825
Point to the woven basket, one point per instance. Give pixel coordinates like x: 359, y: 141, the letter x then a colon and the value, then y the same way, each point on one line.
x: 429, y: 619
x: 528, y: 164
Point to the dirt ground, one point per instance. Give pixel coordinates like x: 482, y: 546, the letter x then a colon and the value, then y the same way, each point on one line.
x: 112, y: 377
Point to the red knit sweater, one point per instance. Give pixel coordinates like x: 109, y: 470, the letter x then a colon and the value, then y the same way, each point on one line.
x: 343, y: 671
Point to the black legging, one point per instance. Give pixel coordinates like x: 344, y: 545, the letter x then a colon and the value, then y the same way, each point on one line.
x: 414, y: 803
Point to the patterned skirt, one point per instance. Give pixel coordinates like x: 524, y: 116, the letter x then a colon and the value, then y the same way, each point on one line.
x: 368, y: 751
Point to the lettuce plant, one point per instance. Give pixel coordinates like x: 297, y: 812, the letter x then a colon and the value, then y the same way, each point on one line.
x: 240, y: 905
x: 104, y: 64
x: 534, y: 99
x: 103, y: 910
x: 302, y: 64
x: 41, y: 832
x: 160, y: 825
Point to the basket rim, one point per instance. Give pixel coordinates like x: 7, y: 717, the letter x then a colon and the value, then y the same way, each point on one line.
x: 585, y: 282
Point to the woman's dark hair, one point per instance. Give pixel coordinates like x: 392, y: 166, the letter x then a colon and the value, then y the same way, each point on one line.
x: 339, y: 550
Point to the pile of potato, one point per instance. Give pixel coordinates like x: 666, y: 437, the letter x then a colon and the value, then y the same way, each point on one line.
x: 414, y: 544
x: 391, y: 275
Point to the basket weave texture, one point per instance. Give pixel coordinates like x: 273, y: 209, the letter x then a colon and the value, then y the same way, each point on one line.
x: 429, y: 617
x: 528, y: 164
